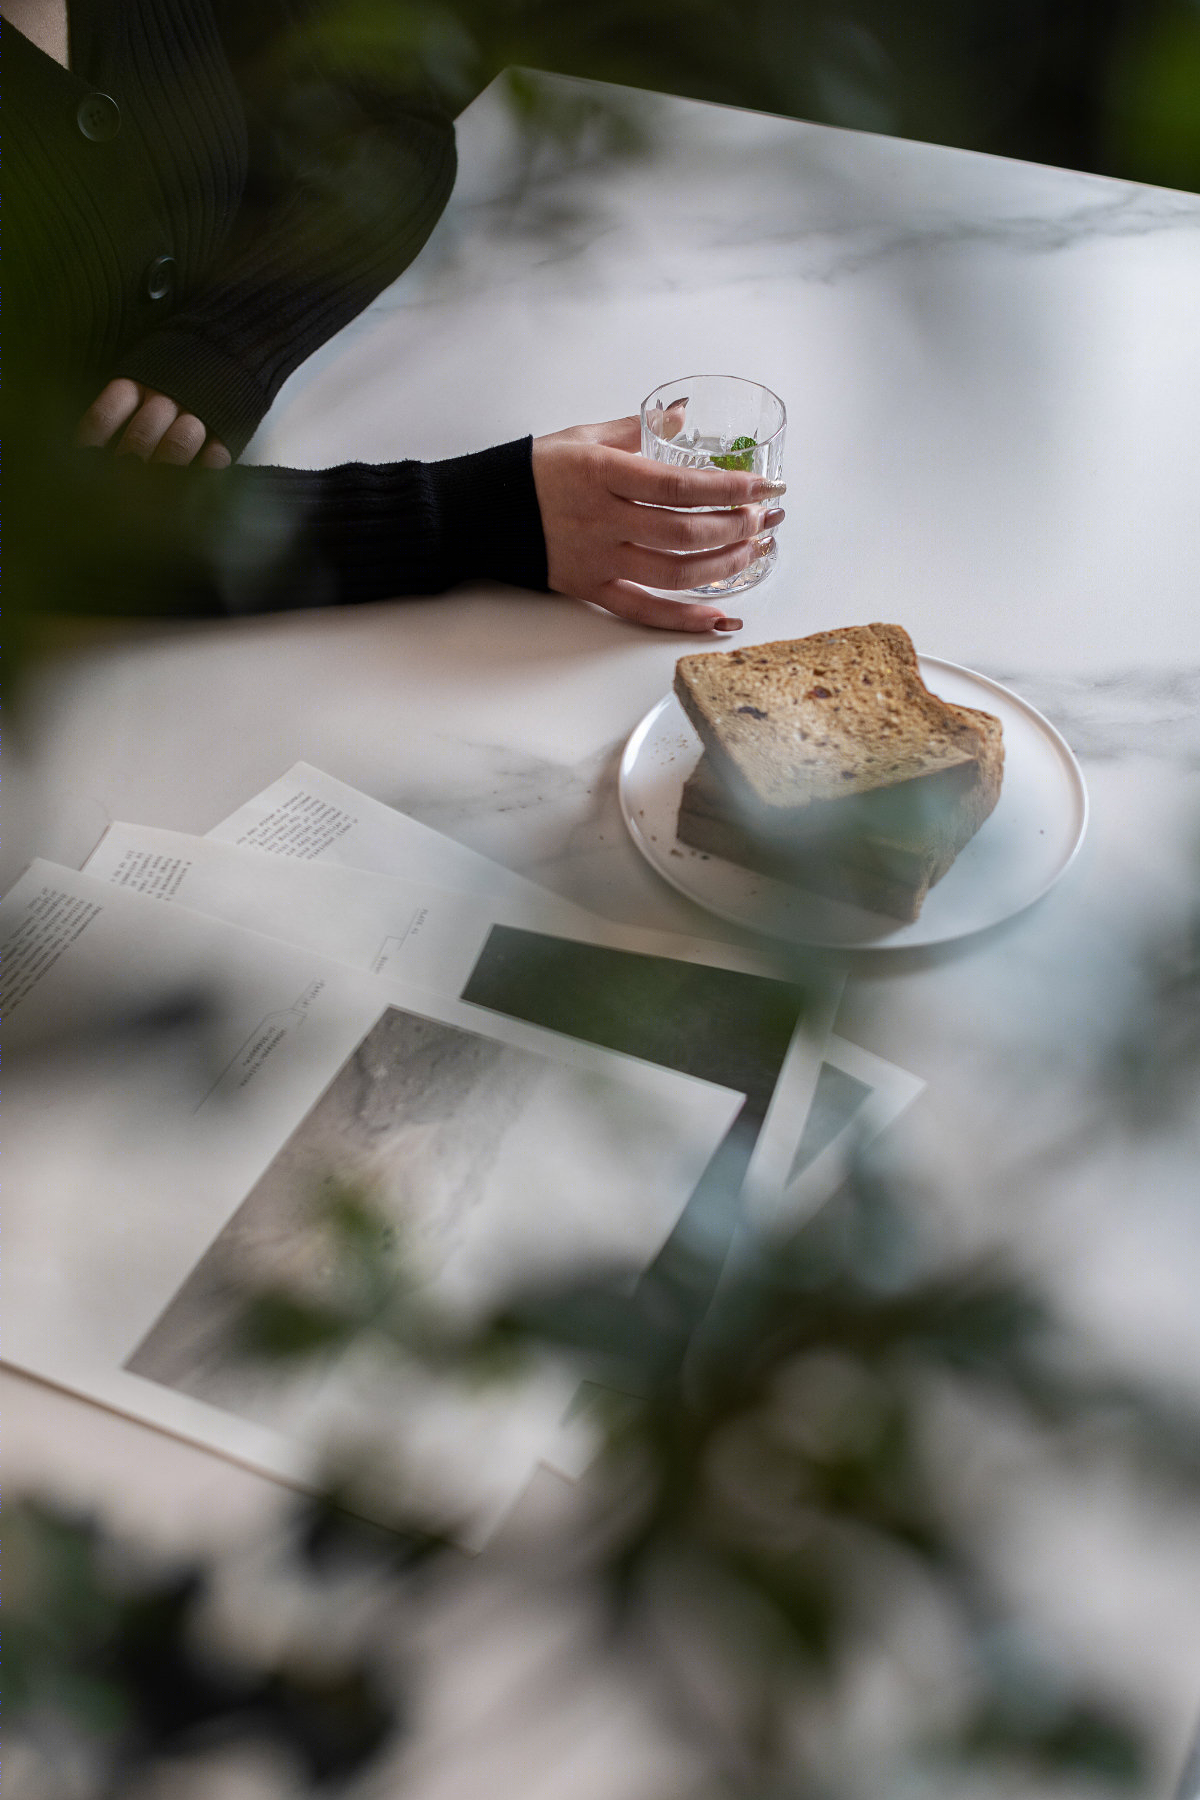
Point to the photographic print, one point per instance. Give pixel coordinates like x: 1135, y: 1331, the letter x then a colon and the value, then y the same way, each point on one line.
x: 721, y: 1025
x: 486, y: 1162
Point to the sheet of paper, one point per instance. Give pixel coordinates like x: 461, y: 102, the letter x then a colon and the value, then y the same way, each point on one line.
x: 858, y: 1096
x: 708, y: 1009
x: 184, y: 1092
x: 308, y: 816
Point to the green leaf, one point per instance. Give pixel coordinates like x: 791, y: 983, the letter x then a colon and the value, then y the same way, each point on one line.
x: 739, y: 456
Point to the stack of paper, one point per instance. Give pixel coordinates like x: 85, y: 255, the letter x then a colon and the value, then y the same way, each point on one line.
x: 211, y: 1031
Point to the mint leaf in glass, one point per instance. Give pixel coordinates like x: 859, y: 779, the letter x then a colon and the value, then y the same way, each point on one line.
x: 739, y: 456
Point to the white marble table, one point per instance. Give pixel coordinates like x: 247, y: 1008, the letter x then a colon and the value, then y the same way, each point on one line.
x: 992, y: 372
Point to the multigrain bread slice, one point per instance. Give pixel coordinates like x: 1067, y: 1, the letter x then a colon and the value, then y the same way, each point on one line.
x: 867, y: 867
x: 883, y: 877
x: 866, y: 789
x: 793, y: 724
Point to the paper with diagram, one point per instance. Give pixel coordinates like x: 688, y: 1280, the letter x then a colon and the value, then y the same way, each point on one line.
x: 186, y: 1091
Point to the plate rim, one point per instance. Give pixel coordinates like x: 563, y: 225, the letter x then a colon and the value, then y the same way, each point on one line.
x: 894, y: 940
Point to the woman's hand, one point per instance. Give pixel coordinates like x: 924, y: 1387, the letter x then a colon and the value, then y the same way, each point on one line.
x: 609, y: 535
x: 155, y: 428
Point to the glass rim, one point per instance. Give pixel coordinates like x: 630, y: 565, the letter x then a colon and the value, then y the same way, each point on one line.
x: 743, y: 380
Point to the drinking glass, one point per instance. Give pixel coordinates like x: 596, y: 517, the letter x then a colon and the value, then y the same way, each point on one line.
x: 706, y: 421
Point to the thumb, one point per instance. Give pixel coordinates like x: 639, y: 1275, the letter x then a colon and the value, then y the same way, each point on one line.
x: 621, y: 434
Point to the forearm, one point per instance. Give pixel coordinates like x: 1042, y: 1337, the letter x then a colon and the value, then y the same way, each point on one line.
x: 364, y: 532
x: 150, y: 540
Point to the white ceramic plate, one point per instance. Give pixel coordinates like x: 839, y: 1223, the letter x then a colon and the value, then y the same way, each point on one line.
x: 1020, y: 851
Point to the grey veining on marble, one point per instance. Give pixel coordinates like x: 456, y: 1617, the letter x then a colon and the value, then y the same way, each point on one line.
x: 565, y: 811
x: 1137, y: 713
x: 991, y: 370
x: 793, y: 199
x: 572, y: 836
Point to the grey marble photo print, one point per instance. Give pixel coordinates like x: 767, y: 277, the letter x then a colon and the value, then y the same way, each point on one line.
x: 417, y: 1116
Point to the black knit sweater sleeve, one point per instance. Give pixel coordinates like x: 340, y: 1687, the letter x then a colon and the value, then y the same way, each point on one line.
x: 345, y: 180
x: 136, y: 159
x: 371, y: 531
x: 93, y: 533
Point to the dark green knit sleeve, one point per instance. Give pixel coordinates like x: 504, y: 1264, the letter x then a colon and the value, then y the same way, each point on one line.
x: 347, y: 178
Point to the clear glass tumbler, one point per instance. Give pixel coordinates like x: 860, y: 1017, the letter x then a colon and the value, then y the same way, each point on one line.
x: 721, y: 421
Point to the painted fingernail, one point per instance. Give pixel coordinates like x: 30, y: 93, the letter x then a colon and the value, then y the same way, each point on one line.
x: 768, y: 490
x: 727, y: 624
x: 762, y: 547
x: 776, y: 516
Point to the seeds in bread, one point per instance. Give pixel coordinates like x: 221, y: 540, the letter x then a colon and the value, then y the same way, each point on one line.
x: 862, y: 808
x: 880, y: 875
x: 791, y: 724
x: 876, y: 864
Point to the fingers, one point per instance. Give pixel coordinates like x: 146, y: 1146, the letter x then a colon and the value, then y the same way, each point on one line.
x: 611, y: 534
x: 148, y: 426
x: 151, y: 426
x: 659, y: 484
x: 619, y: 434
x: 187, y: 441
x: 182, y: 441
x: 661, y: 569
x: 640, y: 608
x: 660, y: 529
x: 111, y: 409
x: 215, y: 455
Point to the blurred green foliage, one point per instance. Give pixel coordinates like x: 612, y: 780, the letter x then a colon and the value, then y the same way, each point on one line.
x: 113, y: 1666
x: 1151, y: 99
x: 780, y: 1488
x: 1111, y: 86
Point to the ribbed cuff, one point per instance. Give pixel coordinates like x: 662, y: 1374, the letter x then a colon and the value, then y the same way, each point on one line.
x: 363, y: 532
x: 488, y: 521
x: 202, y: 378
x: 202, y: 542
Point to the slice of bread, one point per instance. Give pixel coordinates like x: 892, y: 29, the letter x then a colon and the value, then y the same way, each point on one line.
x: 836, y: 794
x: 868, y: 869
x: 792, y: 724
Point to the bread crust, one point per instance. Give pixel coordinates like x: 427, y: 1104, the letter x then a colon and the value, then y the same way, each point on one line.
x: 801, y: 721
x: 883, y: 877
x: 881, y: 839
